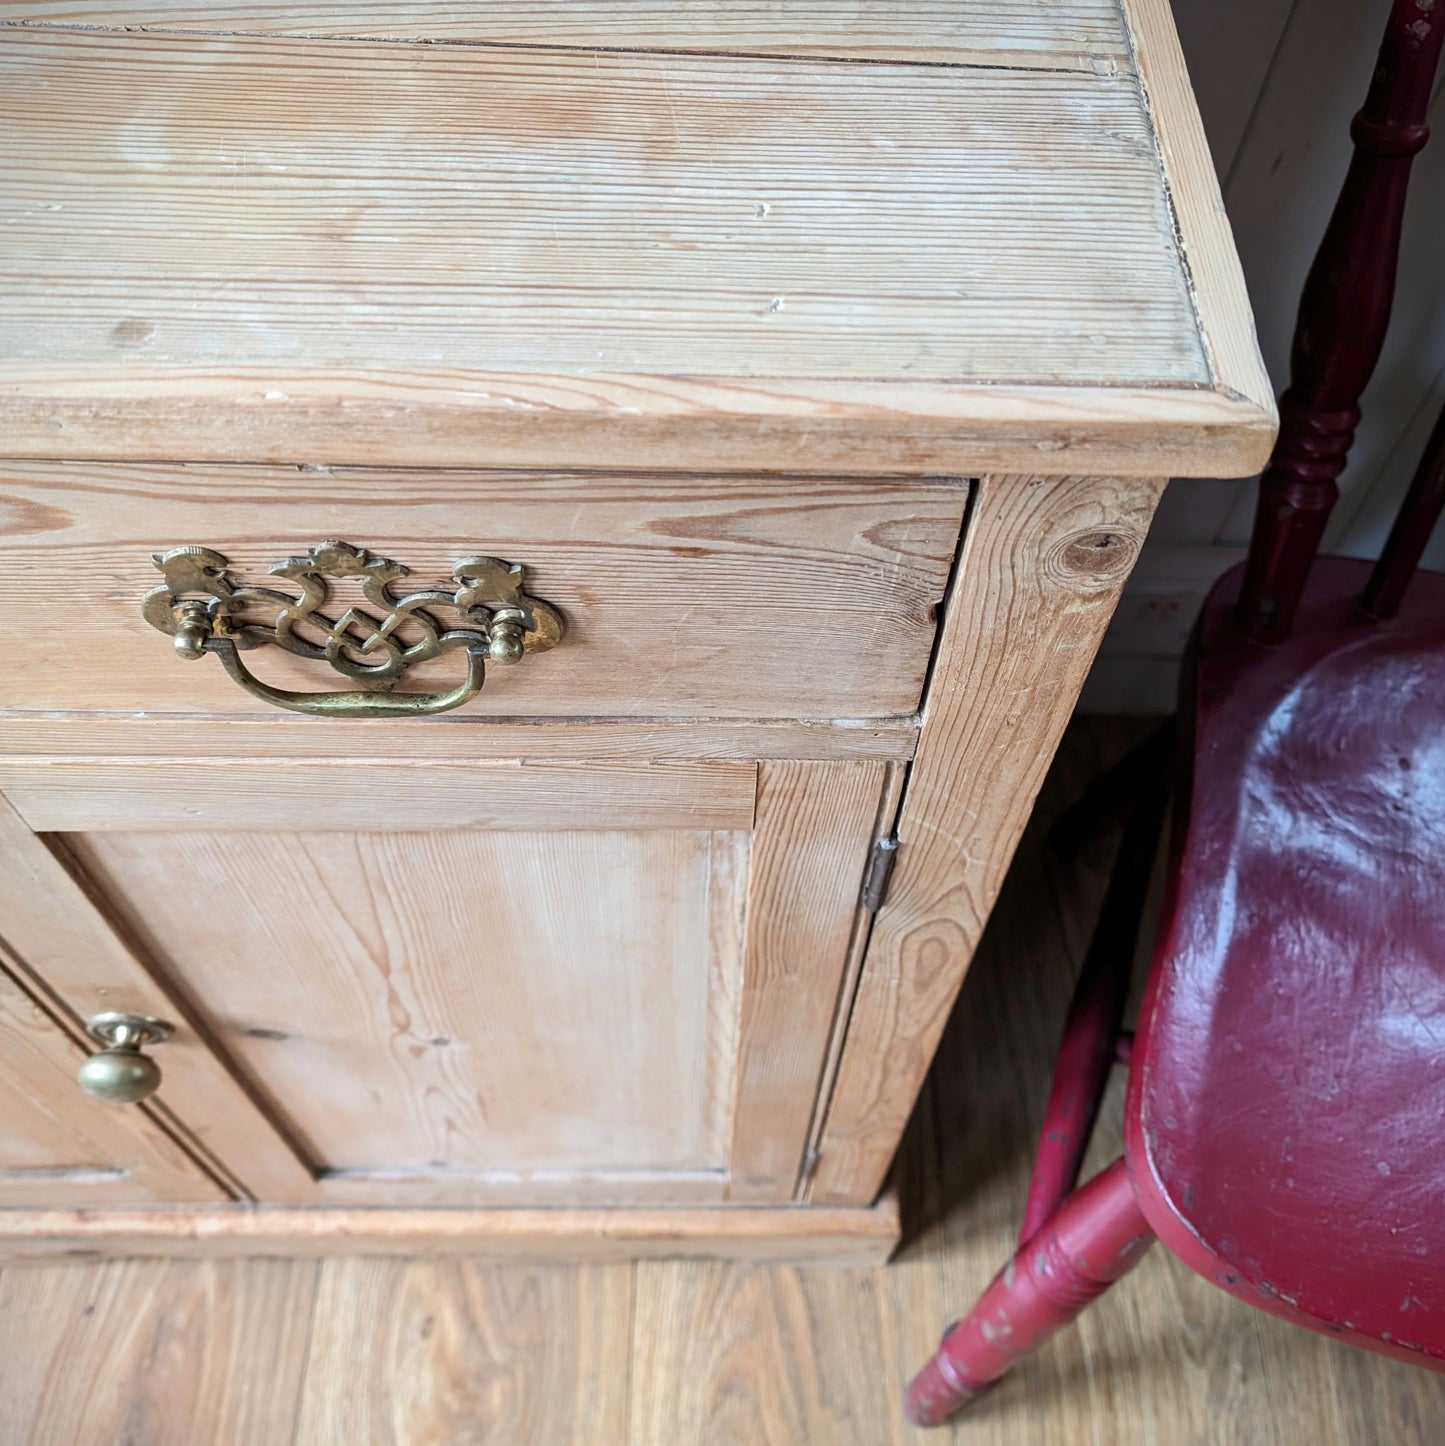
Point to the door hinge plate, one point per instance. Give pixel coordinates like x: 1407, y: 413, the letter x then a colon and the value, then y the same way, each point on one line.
x: 879, y: 873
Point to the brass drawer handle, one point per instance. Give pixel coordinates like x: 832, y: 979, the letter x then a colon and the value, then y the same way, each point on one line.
x: 205, y: 610
x: 120, y: 1074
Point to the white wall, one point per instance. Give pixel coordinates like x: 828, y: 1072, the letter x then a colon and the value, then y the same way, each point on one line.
x: 1277, y: 82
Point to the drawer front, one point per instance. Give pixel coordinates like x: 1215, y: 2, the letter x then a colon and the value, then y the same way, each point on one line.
x: 682, y: 597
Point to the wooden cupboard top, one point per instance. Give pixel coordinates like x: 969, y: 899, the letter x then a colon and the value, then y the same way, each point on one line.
x: 820, y: 237
x: 1049, y: 35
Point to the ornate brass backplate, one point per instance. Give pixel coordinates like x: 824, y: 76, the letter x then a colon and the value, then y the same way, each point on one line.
x: 205, y: 610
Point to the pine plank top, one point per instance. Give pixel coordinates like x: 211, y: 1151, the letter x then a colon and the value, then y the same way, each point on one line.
x: 1050, y: 34
x: 847, y: 236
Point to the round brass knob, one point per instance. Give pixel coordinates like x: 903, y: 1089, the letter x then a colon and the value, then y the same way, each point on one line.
x: 509, y: 627
x: 120, y: 1073
x: 193, y: 627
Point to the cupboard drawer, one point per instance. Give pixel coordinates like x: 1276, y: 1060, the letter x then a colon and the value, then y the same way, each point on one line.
x: 681, y: 596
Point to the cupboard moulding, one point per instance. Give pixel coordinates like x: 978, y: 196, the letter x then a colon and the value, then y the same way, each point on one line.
x: 782, y: 1232
x: 108, y: 735
x: 852, y: 428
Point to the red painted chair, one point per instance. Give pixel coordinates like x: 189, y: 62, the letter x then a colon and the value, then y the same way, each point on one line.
x: 1283, y: 1127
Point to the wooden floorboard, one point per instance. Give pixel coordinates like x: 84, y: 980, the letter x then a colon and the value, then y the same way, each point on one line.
x: 448, y: 1353
x: 453, y: 1353
x: 132, y: 1352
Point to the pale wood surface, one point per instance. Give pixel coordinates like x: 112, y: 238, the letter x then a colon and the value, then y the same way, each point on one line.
x: 815, y: 826
x: 1075, y: 34
x: 893, y: 786
x: 782, y: 1357
x: 61, y: 1147
x: 762, y: 1358
x: 452, y: 736
x: 518, y: 1011
x: 521, y: 419
x: 1040, y: 573
x: 588, y: 188
x: 58, y: 932
x: 1222, y: 303
x: 283, y: 795
x: 690, y: 596
x: 717, y: 276
x: 428, y: 206
x: 435, y: 1015
x: 729, y: 1232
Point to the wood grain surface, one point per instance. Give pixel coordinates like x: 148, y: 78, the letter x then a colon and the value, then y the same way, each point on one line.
x: 337, y: 795
x: 1076, y: 34
x: 458, y: 735
x: 171, y: 1354
x: 60, y: 1147
x: 442, y: 1016
x: 56, y: 931
x: 512, y: 1012
x: 1221, y: 301
x: 1040, y: 573
x: 814, y: 829
x: 252, y: 246
x: 536, y: 1354
x: 446, y: 419
x: 550, y: 1234
x: 154, y: 1354
x: 686, y: 596
x: 389, y: 208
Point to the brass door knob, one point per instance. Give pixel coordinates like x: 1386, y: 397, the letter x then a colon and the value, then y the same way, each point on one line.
x: 120, y: 1073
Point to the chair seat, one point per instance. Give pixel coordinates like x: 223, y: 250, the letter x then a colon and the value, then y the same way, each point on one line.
x: 1287, y: 1096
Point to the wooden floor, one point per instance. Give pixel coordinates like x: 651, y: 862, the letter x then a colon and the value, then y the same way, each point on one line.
x: 140, y: 1353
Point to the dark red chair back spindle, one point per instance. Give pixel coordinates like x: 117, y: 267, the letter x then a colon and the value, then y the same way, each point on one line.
x: 1416, y: 521
x: 1343, y: 315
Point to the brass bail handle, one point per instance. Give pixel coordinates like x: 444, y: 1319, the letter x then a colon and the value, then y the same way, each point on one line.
x: 119, y: 1073
x: 206, y: 610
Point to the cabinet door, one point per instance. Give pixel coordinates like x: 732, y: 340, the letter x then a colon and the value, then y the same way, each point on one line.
x: 58, y: 1146
x: 478, y: 983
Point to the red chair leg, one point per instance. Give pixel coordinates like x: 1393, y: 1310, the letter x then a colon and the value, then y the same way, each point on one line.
x: 1091, y: 1033
x: 1097, y: 1235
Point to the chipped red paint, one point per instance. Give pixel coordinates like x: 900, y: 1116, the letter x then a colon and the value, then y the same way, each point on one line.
x: 1091, y: 1034
x: 1287, y: 1080
x: 1343, y: 315
x: 1093, y: 1239
x: 1288, y: 1084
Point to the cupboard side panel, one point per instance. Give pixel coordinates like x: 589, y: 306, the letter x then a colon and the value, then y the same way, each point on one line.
x: 1042, y: 568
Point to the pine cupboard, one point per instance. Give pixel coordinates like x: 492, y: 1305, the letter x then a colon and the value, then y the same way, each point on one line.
x: 543, y: 564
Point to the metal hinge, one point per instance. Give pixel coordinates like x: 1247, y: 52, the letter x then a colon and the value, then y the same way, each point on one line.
x: 810, y: 1166
x: 879, y: 873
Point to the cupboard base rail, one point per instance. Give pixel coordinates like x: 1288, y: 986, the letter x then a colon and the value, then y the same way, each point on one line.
x: 783, y: 1233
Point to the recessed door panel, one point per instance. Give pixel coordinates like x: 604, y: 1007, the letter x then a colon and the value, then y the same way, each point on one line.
x: 442, y: 1004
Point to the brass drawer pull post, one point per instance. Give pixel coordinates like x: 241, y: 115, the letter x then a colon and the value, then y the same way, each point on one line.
x: 205, y: 610
x: 120, y: 1074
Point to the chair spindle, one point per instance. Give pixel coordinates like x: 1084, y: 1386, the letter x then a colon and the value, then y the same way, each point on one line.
x: 1343, y: 315
x: 1414, y: 523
